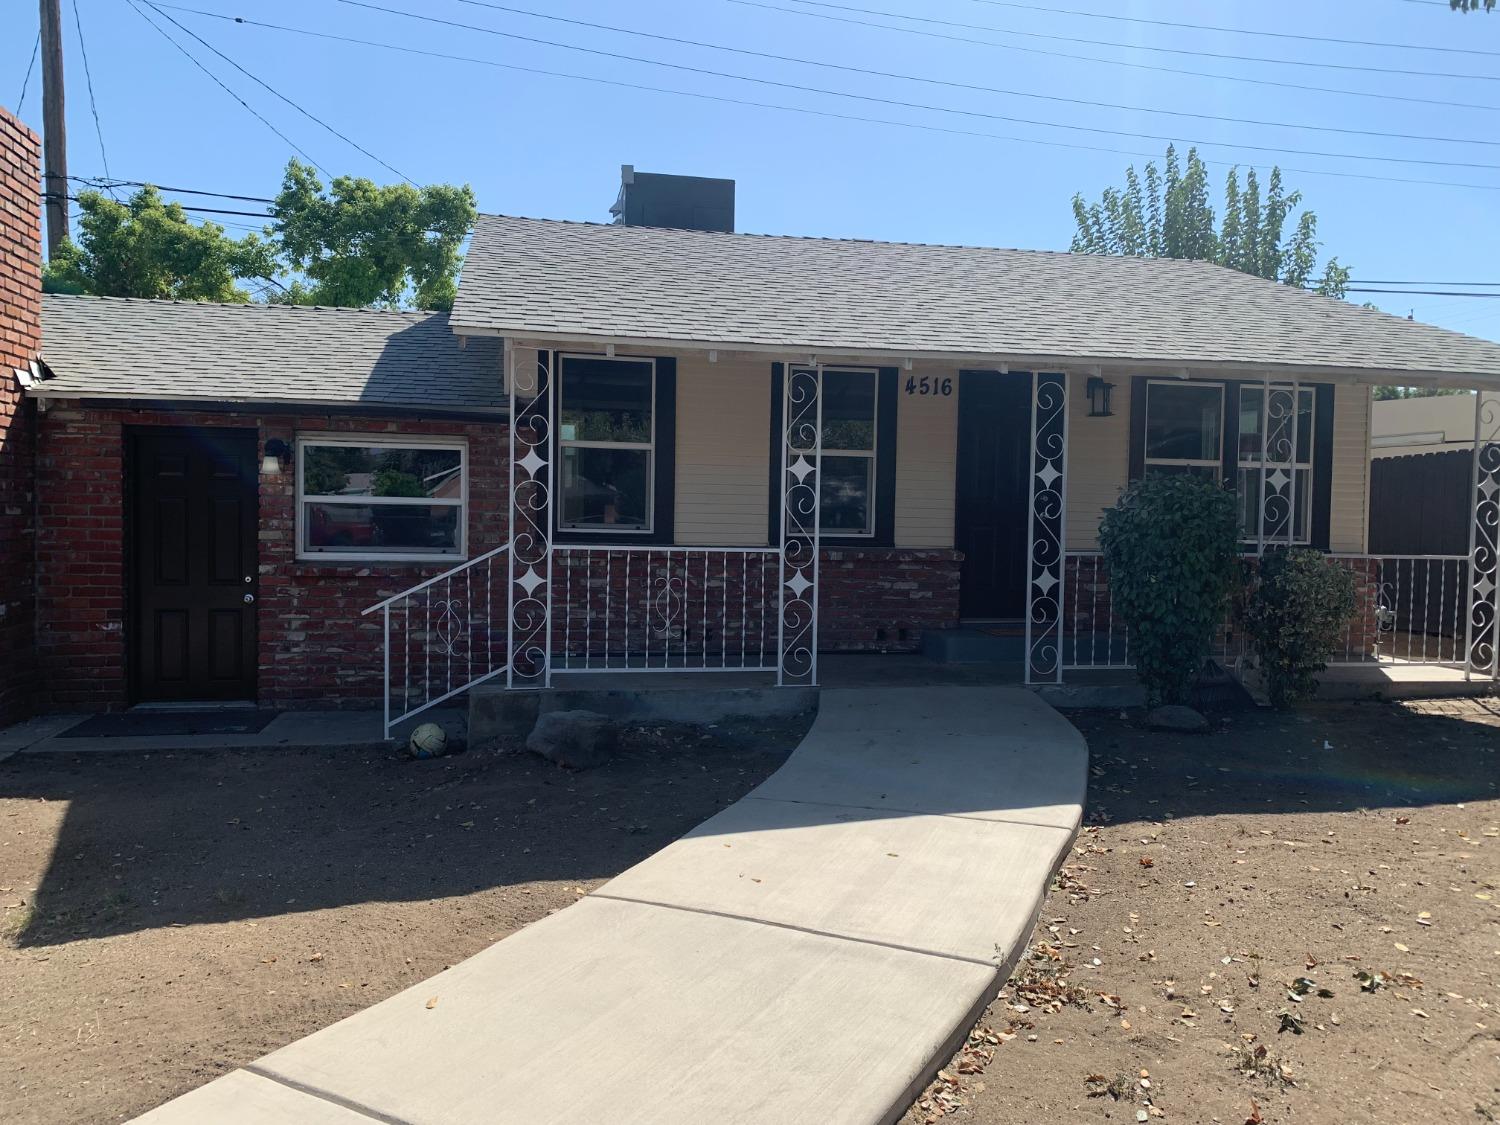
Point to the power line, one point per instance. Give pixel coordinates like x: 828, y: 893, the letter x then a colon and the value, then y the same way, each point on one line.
x: 946, y: 82
x: 897, y: 102
x: 1422, y: 292
x: 971, y: 41
x: 219, y: 83
x: 26, y: 84
x: 186, y: 207
x: 1234, y: 30
x: 725, y: 99
x: 1475, y: 284
x: 88, y: 76
x: 1151, y: 47
x: 96, y: 181
x: 267, y: 86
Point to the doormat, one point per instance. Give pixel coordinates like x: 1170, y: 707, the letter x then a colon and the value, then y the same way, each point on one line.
x: 156, y: 724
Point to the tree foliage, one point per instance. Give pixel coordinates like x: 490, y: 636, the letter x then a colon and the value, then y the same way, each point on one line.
x: 359, y: 243
x: 146, y: 247
x: 1171, y: 544
x: 1383, y: 394
x: 1168, y: 215
x: 1294, y: 615
x: 355, y: 244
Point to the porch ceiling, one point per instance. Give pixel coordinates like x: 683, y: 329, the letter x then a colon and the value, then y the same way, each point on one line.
x: 644, y: 287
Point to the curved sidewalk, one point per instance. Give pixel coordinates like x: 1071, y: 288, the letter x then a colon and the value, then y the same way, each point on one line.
x: 811, y: 953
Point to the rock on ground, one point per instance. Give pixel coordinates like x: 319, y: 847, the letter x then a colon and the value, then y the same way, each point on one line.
x: 576, y: 740
x: 1174, y: 716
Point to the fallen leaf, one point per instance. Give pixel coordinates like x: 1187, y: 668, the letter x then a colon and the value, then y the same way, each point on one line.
x: 432, y: 1003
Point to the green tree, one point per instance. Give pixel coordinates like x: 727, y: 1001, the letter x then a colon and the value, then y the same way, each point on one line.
x: 146, y: 247
x: 1383, y: 394
x: 1171, y: 217
x: 359, y: 243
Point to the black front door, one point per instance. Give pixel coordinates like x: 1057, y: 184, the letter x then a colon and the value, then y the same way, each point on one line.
x: 994, y: 441
x: 193, y: 564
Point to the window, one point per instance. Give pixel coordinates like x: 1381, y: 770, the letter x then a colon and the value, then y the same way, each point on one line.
x: 607, y: 436
x: 1251, y: 445
x: 1184, y: 428
x: 846, y: 496
x: 368, y: 497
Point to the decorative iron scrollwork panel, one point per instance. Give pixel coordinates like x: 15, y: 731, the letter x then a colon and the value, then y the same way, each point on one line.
x: 801, y: 462
x: 529, y: 627
x: 1047, y: 553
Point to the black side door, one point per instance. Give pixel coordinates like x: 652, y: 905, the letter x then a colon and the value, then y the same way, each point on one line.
x: 994, y: 437
x: 192, y: 544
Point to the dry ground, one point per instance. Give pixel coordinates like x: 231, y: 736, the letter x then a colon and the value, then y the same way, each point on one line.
x: 1201, y: 955
x: 169, y: 916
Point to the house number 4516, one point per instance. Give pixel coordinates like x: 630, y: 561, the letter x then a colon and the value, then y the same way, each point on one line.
x: 927, y: 385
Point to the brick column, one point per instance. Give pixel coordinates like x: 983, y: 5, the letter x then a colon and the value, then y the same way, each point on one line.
x: 20, y: 340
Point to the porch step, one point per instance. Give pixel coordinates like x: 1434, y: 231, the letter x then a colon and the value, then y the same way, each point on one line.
x: 1001, y: 643
x: 495, y: 712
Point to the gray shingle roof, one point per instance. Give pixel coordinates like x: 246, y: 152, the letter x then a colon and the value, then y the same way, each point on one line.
x: 810, y: 294
x: 186, y: 350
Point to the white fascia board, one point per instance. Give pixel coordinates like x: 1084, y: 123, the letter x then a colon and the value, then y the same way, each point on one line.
x: 1107, y: 365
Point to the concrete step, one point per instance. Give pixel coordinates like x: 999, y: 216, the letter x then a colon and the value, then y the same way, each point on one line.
x: 1004, y: 642
x: 495, y: 712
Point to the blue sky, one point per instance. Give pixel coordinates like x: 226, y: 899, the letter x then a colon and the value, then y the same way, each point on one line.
x: 531, y: 144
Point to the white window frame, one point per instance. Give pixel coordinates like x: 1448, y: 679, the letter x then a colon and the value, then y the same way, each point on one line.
x: 872, y: 454
x: 649, y: 448
x: 1303, y: 513
x: 1218, y: 463
x: 401, y: 441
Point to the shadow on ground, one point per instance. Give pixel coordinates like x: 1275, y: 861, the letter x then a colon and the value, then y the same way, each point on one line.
x: 188, y: 837
x: 1320, y: 758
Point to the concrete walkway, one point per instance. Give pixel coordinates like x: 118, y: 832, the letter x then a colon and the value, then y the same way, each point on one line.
x: 812, y: 953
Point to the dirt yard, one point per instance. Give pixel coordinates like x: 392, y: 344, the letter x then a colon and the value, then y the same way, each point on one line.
x: 1295, y: 919
x: 167, y: 917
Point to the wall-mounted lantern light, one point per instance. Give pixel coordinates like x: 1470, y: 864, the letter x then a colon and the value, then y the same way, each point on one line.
x: 278, y: 456
x: 1099, y: 393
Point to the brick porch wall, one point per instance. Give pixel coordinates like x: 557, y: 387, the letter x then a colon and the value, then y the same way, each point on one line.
x: 710, y: 609
x: 20, y: 339
x: 315, y: 648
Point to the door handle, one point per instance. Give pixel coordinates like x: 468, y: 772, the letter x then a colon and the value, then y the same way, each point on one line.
x: 249, y: 599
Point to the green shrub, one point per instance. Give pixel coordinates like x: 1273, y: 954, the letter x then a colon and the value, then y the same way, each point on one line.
x: 1171, y: 544
x: 1294, y: 615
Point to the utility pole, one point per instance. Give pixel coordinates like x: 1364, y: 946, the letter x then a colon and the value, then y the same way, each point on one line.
x: 54, y: 127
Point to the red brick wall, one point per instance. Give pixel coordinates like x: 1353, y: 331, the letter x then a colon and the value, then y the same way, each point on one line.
x: 20, y: 337
x: 315, y: 648
x: 883, y: 601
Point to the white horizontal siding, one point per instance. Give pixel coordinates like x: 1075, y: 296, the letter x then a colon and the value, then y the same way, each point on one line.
x: 926, y: 462
x: 1349, y: 515
x: 1098, y: 460
x: 723, y: 451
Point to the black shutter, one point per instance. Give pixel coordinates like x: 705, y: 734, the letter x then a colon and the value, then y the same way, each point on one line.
x: 1138, y: 427
x: 1322, y: 498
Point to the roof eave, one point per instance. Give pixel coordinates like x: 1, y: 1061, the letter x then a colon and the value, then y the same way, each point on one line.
x: 1175, y: 365
x: 44, y: 390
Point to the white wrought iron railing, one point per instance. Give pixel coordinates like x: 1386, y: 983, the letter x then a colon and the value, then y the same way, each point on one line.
x: 1409, y: 609
x: 1092, y: 636
x: 680, y: 609
x: 440, y: 636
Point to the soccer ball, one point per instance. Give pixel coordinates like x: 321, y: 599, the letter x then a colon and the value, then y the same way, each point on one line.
x: 428, y: 741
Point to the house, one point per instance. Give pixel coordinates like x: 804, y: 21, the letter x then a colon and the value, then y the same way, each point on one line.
x: 636, y: 449
x: 1422, y: 452
x: 1401, y: 427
